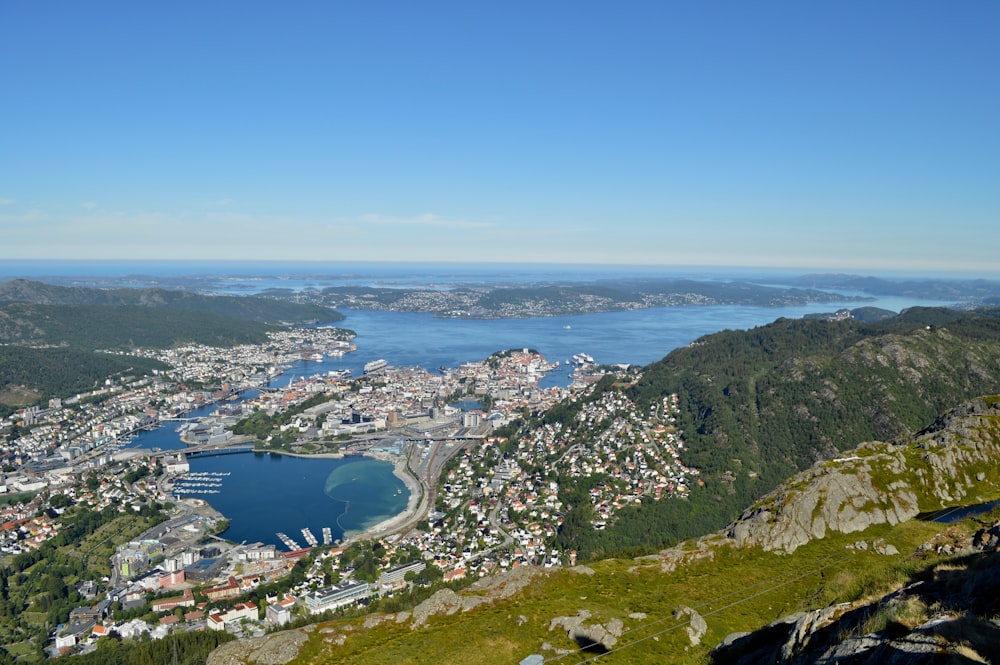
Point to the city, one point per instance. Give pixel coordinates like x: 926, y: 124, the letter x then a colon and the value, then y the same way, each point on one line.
x: 498, y: 504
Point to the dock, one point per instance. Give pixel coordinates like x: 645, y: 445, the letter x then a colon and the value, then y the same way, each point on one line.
x: 289, y: 543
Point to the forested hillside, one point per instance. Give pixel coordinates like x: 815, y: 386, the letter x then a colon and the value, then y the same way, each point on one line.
x: 29, y: 376
x: 757, y: 406
x: 122, y: 326
x: 774, y: 399
x: 240, y: 307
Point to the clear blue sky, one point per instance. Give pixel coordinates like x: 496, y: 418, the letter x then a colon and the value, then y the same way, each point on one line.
x: 850, y: 135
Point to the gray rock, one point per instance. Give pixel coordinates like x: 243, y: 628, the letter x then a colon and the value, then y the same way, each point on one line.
x: 697, y: 626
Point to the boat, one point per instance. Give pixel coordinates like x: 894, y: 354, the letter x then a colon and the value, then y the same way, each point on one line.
x: 567, y: 327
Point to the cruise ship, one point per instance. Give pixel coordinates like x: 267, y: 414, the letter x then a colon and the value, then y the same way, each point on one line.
x: 375, y: 365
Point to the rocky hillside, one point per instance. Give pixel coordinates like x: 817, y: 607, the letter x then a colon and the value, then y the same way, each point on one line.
x: 760, y: 405
x: 773, y: 400
x: 955, y: 461
x: 947, y: 614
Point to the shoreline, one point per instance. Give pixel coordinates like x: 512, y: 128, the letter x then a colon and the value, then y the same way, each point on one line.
x: 415, y: 505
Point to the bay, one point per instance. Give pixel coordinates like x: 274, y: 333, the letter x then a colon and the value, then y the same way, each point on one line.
x: 266, y: 494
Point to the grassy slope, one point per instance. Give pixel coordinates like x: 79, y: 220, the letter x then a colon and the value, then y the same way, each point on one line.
x: 738, y: 590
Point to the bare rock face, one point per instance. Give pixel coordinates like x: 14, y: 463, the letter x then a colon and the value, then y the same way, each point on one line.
x: 276, y: 649
x: 881, y: 483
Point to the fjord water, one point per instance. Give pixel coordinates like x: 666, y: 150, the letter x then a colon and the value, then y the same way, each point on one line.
x: 266, y: 494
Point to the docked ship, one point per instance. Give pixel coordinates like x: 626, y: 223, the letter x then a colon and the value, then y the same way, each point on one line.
x: 375, y: 366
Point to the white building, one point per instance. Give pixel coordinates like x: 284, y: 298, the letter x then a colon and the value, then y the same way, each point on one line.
x: 336, y: 596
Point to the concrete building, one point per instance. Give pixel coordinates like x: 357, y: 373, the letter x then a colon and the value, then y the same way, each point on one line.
x: 395, y: 578
x: 337, y: 596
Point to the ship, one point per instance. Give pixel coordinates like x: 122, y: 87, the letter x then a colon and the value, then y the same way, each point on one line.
x: 375, y: 366
x: 583, y: 359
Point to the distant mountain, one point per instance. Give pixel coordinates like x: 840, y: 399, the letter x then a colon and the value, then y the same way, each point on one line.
x: 66, y: 324
x: 268, y: 310
x: 954, y: 290
x: 520, y: 300
x: 866, y: 314
x: 123, y: 327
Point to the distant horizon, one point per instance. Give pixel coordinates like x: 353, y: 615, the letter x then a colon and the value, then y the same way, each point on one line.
x: 784, y: 135
x: 117, y: 268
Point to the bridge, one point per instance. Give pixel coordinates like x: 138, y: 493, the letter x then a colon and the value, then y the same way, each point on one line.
x: 213, y: 451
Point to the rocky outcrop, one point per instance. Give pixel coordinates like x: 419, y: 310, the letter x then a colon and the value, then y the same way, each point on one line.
x: 276, y: 649
x: 696, y: 628
x: 956, y: 460
x: 590, y: 635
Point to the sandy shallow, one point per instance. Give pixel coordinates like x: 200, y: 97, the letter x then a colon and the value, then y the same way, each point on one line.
x: 413, y: 511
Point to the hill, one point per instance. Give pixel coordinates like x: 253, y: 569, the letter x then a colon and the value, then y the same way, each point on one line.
x: 122, y: 327
x: 251, y: 308
x: 758, y: 406
x: 48, y: 334
x: 34, y: 313
x: 32, y: 376
x: 752, y: 408
x: 677, y: 605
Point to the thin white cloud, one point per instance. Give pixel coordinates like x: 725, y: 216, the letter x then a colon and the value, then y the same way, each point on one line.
x: 89, y: 205
x: 225, y: 202
x: 427, y: 219
x: 6, y: 202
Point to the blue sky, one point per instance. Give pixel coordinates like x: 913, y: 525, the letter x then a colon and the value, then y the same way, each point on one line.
x: 847, y: 135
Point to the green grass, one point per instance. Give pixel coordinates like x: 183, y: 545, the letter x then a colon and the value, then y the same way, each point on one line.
x: 739, y: 590
x: 20, y: 650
